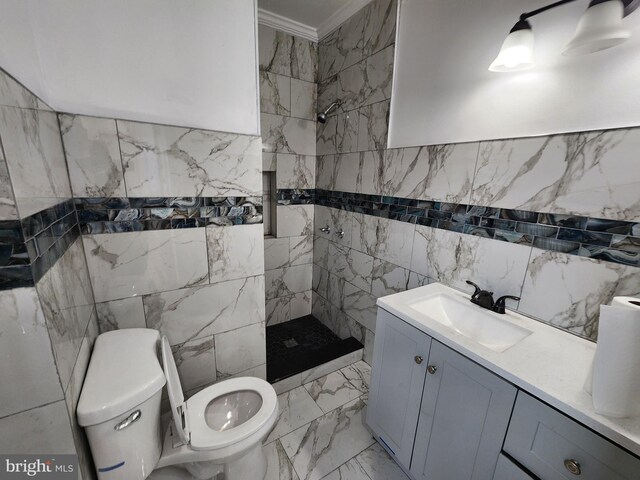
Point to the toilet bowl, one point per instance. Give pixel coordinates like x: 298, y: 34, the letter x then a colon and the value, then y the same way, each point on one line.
x: 218, y: 430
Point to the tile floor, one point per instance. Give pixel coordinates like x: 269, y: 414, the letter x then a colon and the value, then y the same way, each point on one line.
x: 320, y: 432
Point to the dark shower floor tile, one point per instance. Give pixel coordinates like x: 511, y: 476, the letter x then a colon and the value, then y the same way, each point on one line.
x: 301, y: 344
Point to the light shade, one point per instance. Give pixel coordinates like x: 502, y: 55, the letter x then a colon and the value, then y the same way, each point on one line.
x: 517, y: 50
x: 599, y: 28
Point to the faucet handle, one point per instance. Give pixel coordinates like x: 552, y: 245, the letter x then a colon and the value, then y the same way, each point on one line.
x: 477, y: 291
x: 499, y: 304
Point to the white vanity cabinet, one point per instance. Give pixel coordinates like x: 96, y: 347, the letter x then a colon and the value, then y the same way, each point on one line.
x: 399, y: 366
x: 463, y: 419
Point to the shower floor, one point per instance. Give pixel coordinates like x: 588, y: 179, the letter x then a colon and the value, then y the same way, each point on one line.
x: 301, y: 344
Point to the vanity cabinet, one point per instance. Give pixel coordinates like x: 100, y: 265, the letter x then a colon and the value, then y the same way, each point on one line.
x: 399, y: 367
x: 440, y: 414
x: 463, y: 419
x: 554, y: 447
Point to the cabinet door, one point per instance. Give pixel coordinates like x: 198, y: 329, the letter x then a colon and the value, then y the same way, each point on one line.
x: 400, y: 354
x: 507, y: 470
x: 463, y: 419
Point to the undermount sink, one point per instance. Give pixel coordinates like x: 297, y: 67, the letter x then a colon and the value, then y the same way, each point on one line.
x: 478, y: 324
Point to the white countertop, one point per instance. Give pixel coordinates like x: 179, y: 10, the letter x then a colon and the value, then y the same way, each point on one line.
x: 550, y: 364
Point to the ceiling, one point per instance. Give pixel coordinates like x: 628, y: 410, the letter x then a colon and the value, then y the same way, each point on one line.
x: 310, y: 19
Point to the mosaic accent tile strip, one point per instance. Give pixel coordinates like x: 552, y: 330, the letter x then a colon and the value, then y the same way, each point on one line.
x: 122, y: 214
x: 608, y: 240
x: 31, y: 246
x: 296, y: 197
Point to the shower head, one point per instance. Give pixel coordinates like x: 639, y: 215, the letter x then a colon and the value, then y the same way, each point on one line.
x: 322, y: 116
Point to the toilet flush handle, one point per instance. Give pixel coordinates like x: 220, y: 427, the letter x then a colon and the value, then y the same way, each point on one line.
x: 134, y: 417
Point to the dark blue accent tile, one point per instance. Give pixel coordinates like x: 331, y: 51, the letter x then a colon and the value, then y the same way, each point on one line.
x: 427, y: 222
x: 584, y: 236
x: 188, y: 223
x: 537, y: 230
x: 556, y: 245
x: 15, y: 277
x: 626, y: 243
x: 439, y: 215
x: 613, y: 226
x: 567, y: 221
x: 451, y: 226
x: 610, y: 255
x: 479, y: 231
x: 519, y: 215
x: 478, y: 211
x: 97, y: 215
x: 513, y: 237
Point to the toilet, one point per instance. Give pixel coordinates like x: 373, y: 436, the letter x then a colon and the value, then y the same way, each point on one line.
x: 219, y: 430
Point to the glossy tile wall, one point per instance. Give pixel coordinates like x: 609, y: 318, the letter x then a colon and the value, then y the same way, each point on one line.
x: 48, y: 313
x: 172, y: 226
x: 583, y: 189
x: 288, y: 95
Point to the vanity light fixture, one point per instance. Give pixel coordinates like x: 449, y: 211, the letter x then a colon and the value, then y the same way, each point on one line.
x: 599, y: 28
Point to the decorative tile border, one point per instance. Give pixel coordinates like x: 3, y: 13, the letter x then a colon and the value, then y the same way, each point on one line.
x: 296, y: 197
x: 116, y: 215
x: 31, y: 246
x: 609, y: 240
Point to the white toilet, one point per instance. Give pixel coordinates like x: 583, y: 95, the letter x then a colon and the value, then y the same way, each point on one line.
x: 218, y: 430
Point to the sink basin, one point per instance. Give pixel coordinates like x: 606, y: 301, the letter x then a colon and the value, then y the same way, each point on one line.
x: 480, y: 325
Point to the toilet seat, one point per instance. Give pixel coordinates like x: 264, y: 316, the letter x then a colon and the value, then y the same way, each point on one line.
x: 204, y: 437
x: 189, y: 417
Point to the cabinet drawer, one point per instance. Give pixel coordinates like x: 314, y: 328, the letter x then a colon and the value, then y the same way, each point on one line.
x: 552, y: 446
x: 507, y: 470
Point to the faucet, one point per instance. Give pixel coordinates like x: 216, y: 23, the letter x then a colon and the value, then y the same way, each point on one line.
x: 498, y: 306
x: 481, y: 297
x: 484, y: 299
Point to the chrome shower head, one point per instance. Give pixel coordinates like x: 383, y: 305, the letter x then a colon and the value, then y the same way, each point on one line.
x: 322, y: 116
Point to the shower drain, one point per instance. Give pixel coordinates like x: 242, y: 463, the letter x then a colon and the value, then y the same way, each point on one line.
x: 290, y: 343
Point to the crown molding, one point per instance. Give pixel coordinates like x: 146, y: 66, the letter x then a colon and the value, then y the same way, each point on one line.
x: 287, y: 25
x: 298, y: 29
x: 340, y: 16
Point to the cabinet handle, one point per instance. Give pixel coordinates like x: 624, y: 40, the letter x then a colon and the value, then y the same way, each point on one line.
x: 418, y: 359
x: 432, y: 369
x: 573, y: 466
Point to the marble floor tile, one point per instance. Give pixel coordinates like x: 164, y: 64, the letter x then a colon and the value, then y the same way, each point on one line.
x: 318, y: 448
x: 350, y: 470
x: 378, y: 465
x: 359, y: 375
x: 297, y: 408
x: 332, y: 391
x: 278, y: 464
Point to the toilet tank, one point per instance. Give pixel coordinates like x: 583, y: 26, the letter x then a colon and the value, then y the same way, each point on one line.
x: 119, y: 405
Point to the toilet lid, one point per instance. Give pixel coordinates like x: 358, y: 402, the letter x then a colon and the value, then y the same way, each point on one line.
x: 174, y: 389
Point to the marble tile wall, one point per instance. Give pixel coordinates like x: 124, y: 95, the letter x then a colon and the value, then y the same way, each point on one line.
x: 172, y: 226
x: 288, y: 105
x: 48, y: 328
x: 581, y: 249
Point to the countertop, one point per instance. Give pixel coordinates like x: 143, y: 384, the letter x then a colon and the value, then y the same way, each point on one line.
x: 550, y: 364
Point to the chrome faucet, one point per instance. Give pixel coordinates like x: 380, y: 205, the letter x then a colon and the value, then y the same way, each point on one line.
x: 484, y: 299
